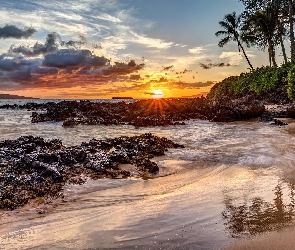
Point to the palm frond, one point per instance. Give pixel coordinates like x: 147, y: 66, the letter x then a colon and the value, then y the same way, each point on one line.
x: 224, y: 41
x: 222, y: 32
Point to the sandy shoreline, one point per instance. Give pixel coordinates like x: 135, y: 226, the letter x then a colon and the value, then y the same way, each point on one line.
x: 172, y: 212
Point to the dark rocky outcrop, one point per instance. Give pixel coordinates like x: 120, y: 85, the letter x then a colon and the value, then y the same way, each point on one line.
x: 154, y: 112
x: 32, y: 167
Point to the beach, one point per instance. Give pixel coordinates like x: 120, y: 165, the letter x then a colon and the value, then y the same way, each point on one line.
x: 233, y: 182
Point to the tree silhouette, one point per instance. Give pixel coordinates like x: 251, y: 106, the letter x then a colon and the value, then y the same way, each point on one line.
x: 231, y: 25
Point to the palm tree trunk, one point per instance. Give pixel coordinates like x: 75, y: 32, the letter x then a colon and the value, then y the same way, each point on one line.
x: 269, y: 56
x: 273, y: 57
x: 272, y: 53
x: 280, y: 28
x: 291, y: 31
x: 283, y: 49
x: 240, y: 46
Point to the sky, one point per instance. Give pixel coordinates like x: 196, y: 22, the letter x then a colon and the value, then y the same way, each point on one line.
x: 91, y: 49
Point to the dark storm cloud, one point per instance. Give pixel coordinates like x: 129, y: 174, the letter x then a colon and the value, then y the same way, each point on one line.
x: 8, y: 63
x: 48, y: 65
x: 11, y: 31
x: 63, y: 69
x: 66, y: 58
x: 211, y: 65
x: 44, y: 71
x: 123, y: 68
x: 11, y: 63
x: 51, y: 45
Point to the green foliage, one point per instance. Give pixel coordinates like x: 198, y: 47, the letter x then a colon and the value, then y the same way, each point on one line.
x: 258, y: 81
x: 291, y: 83
x: 223, y: 88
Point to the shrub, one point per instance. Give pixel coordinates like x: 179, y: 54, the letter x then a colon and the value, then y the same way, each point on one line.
x: 291, y: 83
x: 258, y: 81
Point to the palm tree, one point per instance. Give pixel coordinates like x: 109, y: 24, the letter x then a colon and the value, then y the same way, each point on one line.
x: 290, y: 4
x: 230, y: 25
x: 263, y: 26
x: 285, y: 11
x: 281, y: 33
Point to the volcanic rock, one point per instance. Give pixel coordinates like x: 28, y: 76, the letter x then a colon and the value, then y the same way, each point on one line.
x: 32, y: 167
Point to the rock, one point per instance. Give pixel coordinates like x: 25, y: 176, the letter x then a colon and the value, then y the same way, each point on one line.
x: 266, y: 117
x: 33, y: 167
x: 291, y: 111
x: 225, y: 115
x: 278, y: 122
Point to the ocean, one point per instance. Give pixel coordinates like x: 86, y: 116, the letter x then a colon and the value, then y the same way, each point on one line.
x: 231, y: 182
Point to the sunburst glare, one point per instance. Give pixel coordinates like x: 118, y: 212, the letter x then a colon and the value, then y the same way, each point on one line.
x: 158, y: 93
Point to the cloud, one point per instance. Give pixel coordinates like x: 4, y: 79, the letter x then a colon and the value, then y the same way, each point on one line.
x: 122, y: 68
x: 11, y: 31
x: 233, y: 58
x: 47, y: 65
x: 188, y: 85
x: 11, y: 63
x: 211, y: 65
x: 197, y: 50
x: 150, y: 42
x: 204, y: 66
x: 149, y: 92
x: 168, y: 67
x: 69, y: 58
x: 183, y: 72
x: 51, y: 45
x: 162, y: 79
x: 135, y: 77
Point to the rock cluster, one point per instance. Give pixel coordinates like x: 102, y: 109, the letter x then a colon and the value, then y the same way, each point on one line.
x: 32, y: 167
x: 154, y: 112
x: 273, y: 112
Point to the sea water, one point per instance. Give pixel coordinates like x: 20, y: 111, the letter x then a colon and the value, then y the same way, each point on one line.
x: 231, y: 181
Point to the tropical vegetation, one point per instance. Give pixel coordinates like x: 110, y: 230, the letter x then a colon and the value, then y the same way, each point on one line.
x: 266, y: 25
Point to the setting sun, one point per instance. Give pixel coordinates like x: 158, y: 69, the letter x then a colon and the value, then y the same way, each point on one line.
x: 158, y: 93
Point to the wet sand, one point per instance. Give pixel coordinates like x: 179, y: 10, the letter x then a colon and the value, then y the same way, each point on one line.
x: 178, y: 211
x: 284, y: 239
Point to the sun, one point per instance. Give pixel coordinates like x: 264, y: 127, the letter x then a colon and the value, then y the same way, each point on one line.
x: 157, y: 93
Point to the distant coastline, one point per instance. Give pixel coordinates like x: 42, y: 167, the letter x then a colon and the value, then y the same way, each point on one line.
x: 119, y: 97
x: 7, y: 96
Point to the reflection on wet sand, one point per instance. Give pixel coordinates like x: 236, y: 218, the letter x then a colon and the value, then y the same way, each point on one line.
x: 260, y: 216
